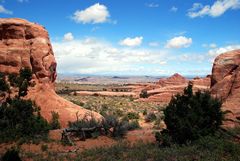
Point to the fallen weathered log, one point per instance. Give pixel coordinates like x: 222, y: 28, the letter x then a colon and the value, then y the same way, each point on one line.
x: 81, y: 132
x: 65, y: 138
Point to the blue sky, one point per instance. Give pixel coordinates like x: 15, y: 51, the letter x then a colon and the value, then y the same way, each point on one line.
x: 134, y: 37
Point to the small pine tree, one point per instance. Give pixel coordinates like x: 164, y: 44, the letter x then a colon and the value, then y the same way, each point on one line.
x: 4, y: 87
x: 19, y: 117
x: 23, y: 81
x: 145, y: 112
x: 190, y: 116
x: 11, y: 155
x: 54, y: 123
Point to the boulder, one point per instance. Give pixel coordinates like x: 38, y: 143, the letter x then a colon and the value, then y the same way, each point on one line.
x: 225, y: 81
x: 26, y: 45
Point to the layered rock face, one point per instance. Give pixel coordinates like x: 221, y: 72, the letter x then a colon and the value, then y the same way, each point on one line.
x: 204, y: 82
x: 163, y: 91
x: 26, y: 45
x: 175, y: 79
x: 225, y: 81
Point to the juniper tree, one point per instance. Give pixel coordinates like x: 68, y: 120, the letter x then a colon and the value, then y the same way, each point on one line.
x: 190, y: 116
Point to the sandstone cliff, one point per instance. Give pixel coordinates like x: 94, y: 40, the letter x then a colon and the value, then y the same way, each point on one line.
x: 225, y: 81
x: 26, y: 45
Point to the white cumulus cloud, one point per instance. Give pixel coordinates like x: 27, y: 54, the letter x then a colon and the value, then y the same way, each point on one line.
x: 94, y: 14
x: 131, y: 42
x: 152, y: 5
x: 92, y: 56
x: 4, y: 10
x: 179, y: 42
x: 218, y: 8
x: 153, y: 44
x: 174, y: 9
x: 212, y: 45
x: 218, y: 51
x: 68, y: 37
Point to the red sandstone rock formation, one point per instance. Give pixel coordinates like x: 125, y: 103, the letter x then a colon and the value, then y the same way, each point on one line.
x: 163, y: 95
x: 175, y: 79
x: 225, y: 81
x: 204, y: 82
x: 25, y: 44
x: 166, y: 88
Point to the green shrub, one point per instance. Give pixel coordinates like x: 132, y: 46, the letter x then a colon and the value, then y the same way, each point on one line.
x: 163, y: 138
x: 143, y: 94
x: 20, y: 117
x: 84, y: 123
x: 77, y: 102
x: 133, y: 125
x: 104, y: 107
x: 103, y: 112
x: 11, y: 155
x: 117, y: 112
x: 191, y: 116
x: 119, y: 127
x: 132, y: 115
x: 4, y: 87
x: 75, y: 93
x: 95, y: 134
x: 145, y: 112
x: 95, y: 94
x: 109, y: 122
x: 157, y: 123
x: 131, y: 98
x: 88, y: 106
x: 23, y: 81
x: 54, y: 123
x: 44, y: 147
x: 209, y: 149
x: 150, y: 117
x: 12, y: 78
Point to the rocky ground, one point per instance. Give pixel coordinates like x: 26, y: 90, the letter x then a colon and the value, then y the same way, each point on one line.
x: 44, y: 149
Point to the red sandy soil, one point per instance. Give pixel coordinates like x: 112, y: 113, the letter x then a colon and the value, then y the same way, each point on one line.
x: 144, y: 134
